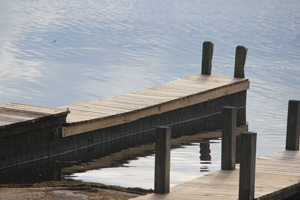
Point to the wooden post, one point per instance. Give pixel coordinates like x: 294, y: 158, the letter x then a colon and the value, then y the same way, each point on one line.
x: 162, y: 160
x: 247, y: 165
x: 293, y: 126
x: 240, y: 60
x: 228, y: 138
x: 207, y: 55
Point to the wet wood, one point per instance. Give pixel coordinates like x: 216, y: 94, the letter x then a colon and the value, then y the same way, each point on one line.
x: 277, y: 176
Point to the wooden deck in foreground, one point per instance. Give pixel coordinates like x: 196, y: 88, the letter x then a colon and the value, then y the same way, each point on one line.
x: 276, y: 176
x: 103, y: 113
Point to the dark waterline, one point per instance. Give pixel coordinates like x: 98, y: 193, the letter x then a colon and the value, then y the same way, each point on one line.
x: 197, y: 153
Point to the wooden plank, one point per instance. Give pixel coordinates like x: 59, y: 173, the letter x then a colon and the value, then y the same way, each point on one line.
x: 160, y: 93
x: 171, y: 90
x: 14, y: 112
x: 145, y: 97
x: 33, y: 109
x: 119, y: 104
x: 78, y: 118
x: 3, y: 123
x: 194, y: 86
x: 14, y: 116
x: 199, y: 77
x: 106, y: 107
x: 12, y: 124
x: 147, y: 100
x: 183, y: 88
x: 93, y: 108
x: 85, y: 113
x: 97, y: 107
x: 127, y: 100
x: 20, y: 113
x: 12, y: 119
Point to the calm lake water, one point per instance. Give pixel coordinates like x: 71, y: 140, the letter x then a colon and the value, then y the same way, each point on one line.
x: 55, y: 53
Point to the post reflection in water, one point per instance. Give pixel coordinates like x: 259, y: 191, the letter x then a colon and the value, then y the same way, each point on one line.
x: 205, y: 157
x: 115, y: 166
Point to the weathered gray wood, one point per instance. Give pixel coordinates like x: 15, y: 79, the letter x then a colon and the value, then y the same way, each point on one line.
x: 228, y: 160
x: 207, y: 55
x: 162, y: 160
x: 21, y: 124
x: 197, y: 89
x: 240, y: 60
x: 247, y: 166
x: 293, y: 126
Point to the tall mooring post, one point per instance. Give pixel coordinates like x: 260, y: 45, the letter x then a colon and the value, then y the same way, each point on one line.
x: 162, y: 160
x: 228, y: 153
x: 207, y: 55
x: 293, y: 126
x: 247, y: 165
x: 240, y: 60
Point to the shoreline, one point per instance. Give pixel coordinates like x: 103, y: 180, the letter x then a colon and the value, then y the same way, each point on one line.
x: 69, y: 189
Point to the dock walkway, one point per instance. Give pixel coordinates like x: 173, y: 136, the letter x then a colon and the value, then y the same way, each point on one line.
x: 103, y: 113
x: 108, y: 112
x: 194, y: 100
x: 277, y: 176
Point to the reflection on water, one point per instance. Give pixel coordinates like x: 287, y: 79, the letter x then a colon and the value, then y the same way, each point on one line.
x: 140, y: 168
x: 106, y: 48
x: 192, y: 155
x: 205, y: 157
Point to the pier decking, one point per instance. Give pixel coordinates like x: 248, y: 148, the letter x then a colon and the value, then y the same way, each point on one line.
x: 277, y: 176
x: 19, y: 118
x: 103, y: 113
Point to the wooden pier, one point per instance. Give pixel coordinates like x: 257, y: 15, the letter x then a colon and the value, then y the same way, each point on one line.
x: 191, y: 99
x: 103, y: 113
x: 189, y: 105
x: 277, y: 176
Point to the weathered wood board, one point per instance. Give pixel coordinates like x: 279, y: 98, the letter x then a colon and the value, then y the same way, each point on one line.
x: 103, y: 113
x: 17, y: 118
